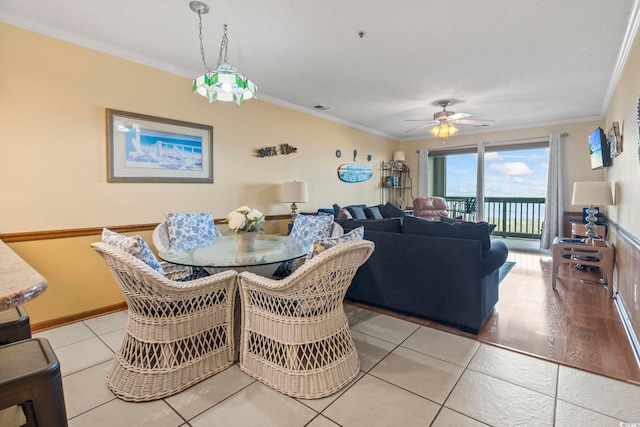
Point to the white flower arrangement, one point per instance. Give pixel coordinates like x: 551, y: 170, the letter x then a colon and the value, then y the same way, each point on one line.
x: 245, y: 219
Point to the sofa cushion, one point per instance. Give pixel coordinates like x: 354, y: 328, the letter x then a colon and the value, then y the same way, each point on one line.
x: 134, y: 245
x: 325, y: 211
x: 459, y: 220
x: 372, y: 212
x: 389, y: 225
x: 357, y: 212
x: 322, y: 245
x: 189, y: 231
x: 457, y: 230
x: 389, y: 210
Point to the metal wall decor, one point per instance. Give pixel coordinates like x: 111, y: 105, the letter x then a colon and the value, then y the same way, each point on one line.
x: 274, y: 151
x: 287, y: 149
x: 267, y: 152
x: 615, y: 140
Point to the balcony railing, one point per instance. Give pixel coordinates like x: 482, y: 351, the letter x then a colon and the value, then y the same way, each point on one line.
x: 513, y: 216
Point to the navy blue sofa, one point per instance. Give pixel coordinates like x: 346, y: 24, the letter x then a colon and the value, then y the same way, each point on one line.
x: 434, y: 270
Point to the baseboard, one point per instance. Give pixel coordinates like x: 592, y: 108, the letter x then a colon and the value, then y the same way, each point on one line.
x: 65, y: 320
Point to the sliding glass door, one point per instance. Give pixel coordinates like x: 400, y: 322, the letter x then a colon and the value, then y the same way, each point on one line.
x: 514, y: 186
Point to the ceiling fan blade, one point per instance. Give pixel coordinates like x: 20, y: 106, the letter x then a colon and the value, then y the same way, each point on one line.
x: 422, y: 120
x: 458, y: 116
x: 419, y: 127
x: 474, y: 121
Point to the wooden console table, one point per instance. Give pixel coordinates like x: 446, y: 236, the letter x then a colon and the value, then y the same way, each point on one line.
x: 572, y: 251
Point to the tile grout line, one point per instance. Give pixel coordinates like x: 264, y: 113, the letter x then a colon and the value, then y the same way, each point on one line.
x: 395, y: 347
x: 93, y: 408
x: 215, y: 404
x: 464, y: 369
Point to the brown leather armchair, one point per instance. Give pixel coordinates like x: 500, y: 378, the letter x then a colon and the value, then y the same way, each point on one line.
x: 431, y: 208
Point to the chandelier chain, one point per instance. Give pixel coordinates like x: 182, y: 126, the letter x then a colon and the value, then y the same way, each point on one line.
x: 204, y: 62
x: 223, y: 47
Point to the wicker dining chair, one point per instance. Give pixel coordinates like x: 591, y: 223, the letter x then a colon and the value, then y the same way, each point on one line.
x: 160, y: 237
x: 288, y: 267
x: 295, y: 335
x: 177, y: 334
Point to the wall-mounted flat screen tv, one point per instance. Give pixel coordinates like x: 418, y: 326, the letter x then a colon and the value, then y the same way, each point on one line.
x: 599, y: 149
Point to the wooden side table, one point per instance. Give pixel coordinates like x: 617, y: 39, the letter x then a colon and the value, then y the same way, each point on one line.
x: 572, y: 251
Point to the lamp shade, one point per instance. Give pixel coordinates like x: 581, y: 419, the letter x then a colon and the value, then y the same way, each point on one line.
x: 295, y: 192
x: 225, y: 84
x: 398, y: 156
x: 593, y: 193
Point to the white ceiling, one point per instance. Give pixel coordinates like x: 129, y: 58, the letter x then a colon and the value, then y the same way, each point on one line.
x: 519, y: 63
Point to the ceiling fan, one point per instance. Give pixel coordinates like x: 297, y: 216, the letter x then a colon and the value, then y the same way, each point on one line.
x: 443, y: 121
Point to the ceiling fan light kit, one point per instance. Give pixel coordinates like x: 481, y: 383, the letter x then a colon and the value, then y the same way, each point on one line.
x: 443, y: 121
x: 443, y: 130
x: 223, y: 83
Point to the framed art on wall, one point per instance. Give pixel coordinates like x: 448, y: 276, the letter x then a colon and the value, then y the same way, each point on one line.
x: 143, y: 148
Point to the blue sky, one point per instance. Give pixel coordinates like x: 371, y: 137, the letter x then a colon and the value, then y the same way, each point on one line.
x: 521, y: 173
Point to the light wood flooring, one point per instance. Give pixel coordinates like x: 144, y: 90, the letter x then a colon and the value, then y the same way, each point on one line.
x: 576, y: 325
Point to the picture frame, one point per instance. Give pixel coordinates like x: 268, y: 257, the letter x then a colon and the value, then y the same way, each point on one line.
x: 143, y: 148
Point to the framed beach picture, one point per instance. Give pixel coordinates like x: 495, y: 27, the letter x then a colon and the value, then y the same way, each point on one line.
x: 143, y: 148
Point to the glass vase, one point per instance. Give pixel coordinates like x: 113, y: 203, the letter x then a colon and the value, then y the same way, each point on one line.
x: 245, y: 240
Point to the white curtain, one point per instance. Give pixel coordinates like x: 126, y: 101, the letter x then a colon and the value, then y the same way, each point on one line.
x: 480, y: 183
x: 554, y: 205
x: 423, y: 172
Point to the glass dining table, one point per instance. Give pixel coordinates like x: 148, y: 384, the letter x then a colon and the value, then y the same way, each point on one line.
x: 265, y: 257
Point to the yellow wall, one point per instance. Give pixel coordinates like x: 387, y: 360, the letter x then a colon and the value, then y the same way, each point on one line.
x: 625, y: 169
x: 53, y: 136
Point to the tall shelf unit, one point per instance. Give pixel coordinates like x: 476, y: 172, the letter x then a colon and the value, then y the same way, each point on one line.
x: 396, y: 184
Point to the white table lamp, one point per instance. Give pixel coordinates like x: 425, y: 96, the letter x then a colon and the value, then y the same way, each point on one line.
x: 295, y: 192
x: 398, y: 156
x: 591, y: 193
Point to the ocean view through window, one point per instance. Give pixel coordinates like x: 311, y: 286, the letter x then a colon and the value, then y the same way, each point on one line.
x: 515, y: 188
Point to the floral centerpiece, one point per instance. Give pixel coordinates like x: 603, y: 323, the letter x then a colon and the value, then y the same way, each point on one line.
x: 245, y: 219
x: 245, y: 223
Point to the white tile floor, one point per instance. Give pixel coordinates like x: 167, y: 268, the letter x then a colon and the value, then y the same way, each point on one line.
x: 411, y: 375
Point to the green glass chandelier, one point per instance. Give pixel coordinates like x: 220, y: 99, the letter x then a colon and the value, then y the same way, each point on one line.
x: 223, y: 83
